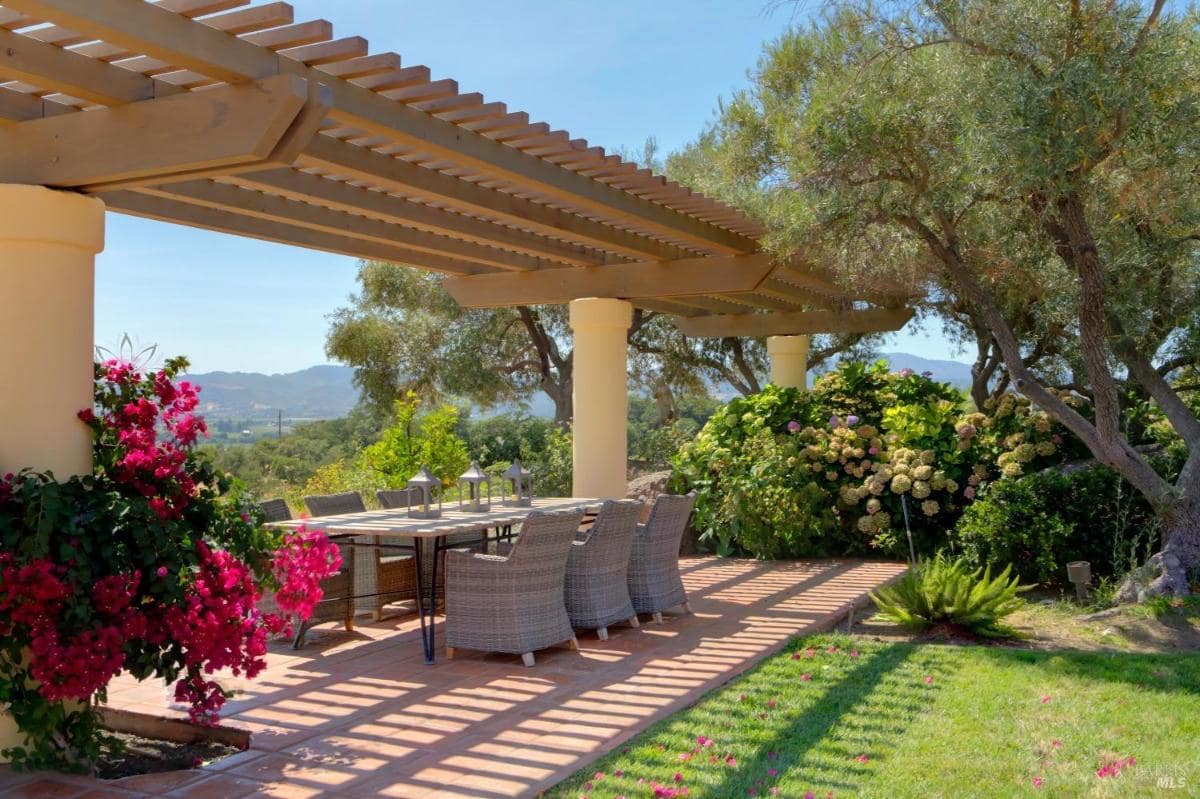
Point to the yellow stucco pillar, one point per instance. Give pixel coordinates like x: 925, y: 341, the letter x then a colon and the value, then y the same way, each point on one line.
x: 600, y: 396
x: 789, y: 361
x: 48, y: 244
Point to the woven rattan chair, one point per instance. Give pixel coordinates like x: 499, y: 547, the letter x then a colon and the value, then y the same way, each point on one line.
x: 597, y: 588
x: 654, y: 581
x: 513, y: 604
x: 382, y: 575
x: 338, y: 606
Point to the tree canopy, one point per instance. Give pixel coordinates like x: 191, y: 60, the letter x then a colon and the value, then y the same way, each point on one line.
x: 1030, y: 167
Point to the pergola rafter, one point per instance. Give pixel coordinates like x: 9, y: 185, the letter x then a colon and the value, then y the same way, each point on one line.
x: 236, y: 117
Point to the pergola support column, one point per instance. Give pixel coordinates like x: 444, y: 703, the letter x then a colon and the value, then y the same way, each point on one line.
x: 789, y: 361
x: 600, y: 396
x: 48, y: 243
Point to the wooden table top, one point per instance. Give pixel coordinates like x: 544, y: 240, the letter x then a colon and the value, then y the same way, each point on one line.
x: 397, y: 522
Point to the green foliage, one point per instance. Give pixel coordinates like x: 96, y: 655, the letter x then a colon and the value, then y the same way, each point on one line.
x: 1042, y: 521
x: 431, y: 441
x: 785, y: 473
x: 504, y: 437
x: 653, y: 442
x: 551, y: 466
x: 945, y: 591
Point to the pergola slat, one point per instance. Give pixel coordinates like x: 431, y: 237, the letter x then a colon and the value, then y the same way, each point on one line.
x: 293, y: 212
x: 57, y: 70
x: 167, y: 210
x: 345, y: 197
x: 363, y: 164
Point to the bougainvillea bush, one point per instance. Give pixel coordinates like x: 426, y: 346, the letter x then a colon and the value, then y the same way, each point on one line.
x: 835, y: 470
x: 153, y: 565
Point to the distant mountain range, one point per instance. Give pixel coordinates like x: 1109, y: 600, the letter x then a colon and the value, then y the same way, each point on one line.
x: 319, y: 392
x: 328, y: 392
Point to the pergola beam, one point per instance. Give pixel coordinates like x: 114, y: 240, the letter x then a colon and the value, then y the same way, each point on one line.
x: 796, y: 323
x: 168, y: 210
x: 184, y: 134
x: 640, y: 280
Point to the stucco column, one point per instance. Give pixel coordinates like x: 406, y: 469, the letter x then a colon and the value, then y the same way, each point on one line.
x: 789, y: 361
x: 600, y: 396
x: 48, y: 244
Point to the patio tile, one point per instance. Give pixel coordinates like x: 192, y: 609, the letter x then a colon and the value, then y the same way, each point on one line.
x: 359, y: 714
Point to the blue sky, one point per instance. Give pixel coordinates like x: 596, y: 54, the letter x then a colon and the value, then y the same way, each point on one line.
x: 614, y: 72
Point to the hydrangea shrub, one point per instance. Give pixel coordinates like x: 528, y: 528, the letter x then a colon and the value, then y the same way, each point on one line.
x: 153, y: 565
x: 834, y: 470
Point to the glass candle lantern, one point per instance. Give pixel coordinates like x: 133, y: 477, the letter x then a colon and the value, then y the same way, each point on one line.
x: 517, y: 488
x: 471, y: 487
x: 427, y: 496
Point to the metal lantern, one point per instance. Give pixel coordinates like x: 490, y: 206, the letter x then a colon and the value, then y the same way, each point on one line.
x: 471, y: 485
x: 429, y: 495
x: 517, y: 488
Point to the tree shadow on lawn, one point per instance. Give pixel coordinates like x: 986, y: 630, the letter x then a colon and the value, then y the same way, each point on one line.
x: 861, y: 716
x: 1155, y: 672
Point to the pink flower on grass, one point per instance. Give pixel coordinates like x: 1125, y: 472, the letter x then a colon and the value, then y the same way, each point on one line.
x: 1056, y: 744
x: 853, y: 653
x: 806, y: 678
x: 730, y: 760
x: 685, y: 756
x: 1046, y: 699
x: 863, y: 758
x: 703, y: 741
x: 929, y: 679
x: 772, y: 772
x: 678, y: 777
x: 772, y: 755
x: 1037, y: 782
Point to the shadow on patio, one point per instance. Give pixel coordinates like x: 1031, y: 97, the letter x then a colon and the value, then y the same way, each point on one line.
x: 357, y: 714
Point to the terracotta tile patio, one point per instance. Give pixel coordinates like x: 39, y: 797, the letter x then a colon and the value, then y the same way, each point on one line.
x: 359, y: 714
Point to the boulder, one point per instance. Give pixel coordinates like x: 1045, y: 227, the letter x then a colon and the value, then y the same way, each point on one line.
x: 648, y: 486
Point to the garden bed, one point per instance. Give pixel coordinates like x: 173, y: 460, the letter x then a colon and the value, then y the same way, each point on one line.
x: 148, y: 744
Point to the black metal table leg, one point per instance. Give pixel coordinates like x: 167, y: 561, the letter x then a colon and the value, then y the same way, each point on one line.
x: 428, y: 640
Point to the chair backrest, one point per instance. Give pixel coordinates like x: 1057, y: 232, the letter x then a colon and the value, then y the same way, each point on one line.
x: 275, y: 510
x: 397, y: 497
x: 668, y: 519
x: 545, y: 542
x: 611, y: 536
x: 334, y: 504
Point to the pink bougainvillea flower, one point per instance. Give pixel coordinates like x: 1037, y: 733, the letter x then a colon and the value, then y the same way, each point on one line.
x: 772, y: 772
x: 771, y: 704
x: 832, y: 649
x: 863, y: 758
x: 806, y: 677
x: 809, y: 795
x: 796, y: 656
x: 810, y: 652
x: 703, y: 741
x: 741, y: 697
x: 685, y: 756
x: 772, y: 755
x: 853, y: 653
x: 752, y: 792
x: 730, y: 760
x: 678, y: 776
x: 618, y: 773
x: 1037, y: 782
x: 929, y: 679
x: 1056, y: 744
x: 1046, y: 699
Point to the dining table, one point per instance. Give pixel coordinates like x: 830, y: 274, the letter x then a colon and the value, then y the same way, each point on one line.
x: 371, y: 529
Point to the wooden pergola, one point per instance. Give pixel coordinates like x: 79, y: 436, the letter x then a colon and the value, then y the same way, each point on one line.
x: 234, y: 117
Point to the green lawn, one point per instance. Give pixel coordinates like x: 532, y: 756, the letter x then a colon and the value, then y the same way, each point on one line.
x: 903, y: 719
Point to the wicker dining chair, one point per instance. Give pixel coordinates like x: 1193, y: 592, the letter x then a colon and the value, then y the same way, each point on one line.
x: 513, y: 604
x: 382, y: 576
x: 654, y: 581
x: 339, y: 606
x: 597, y: 587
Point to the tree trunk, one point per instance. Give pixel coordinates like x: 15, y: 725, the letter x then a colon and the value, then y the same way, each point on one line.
x: 664, y: 401
x: 1181, y: 548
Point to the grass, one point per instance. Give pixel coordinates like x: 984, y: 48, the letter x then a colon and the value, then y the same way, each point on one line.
x: 899, y: 719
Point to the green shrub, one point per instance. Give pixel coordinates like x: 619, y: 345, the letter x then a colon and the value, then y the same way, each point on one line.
x: 430, y: 440
x: 1040, y: 522
x: 946, y: 591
